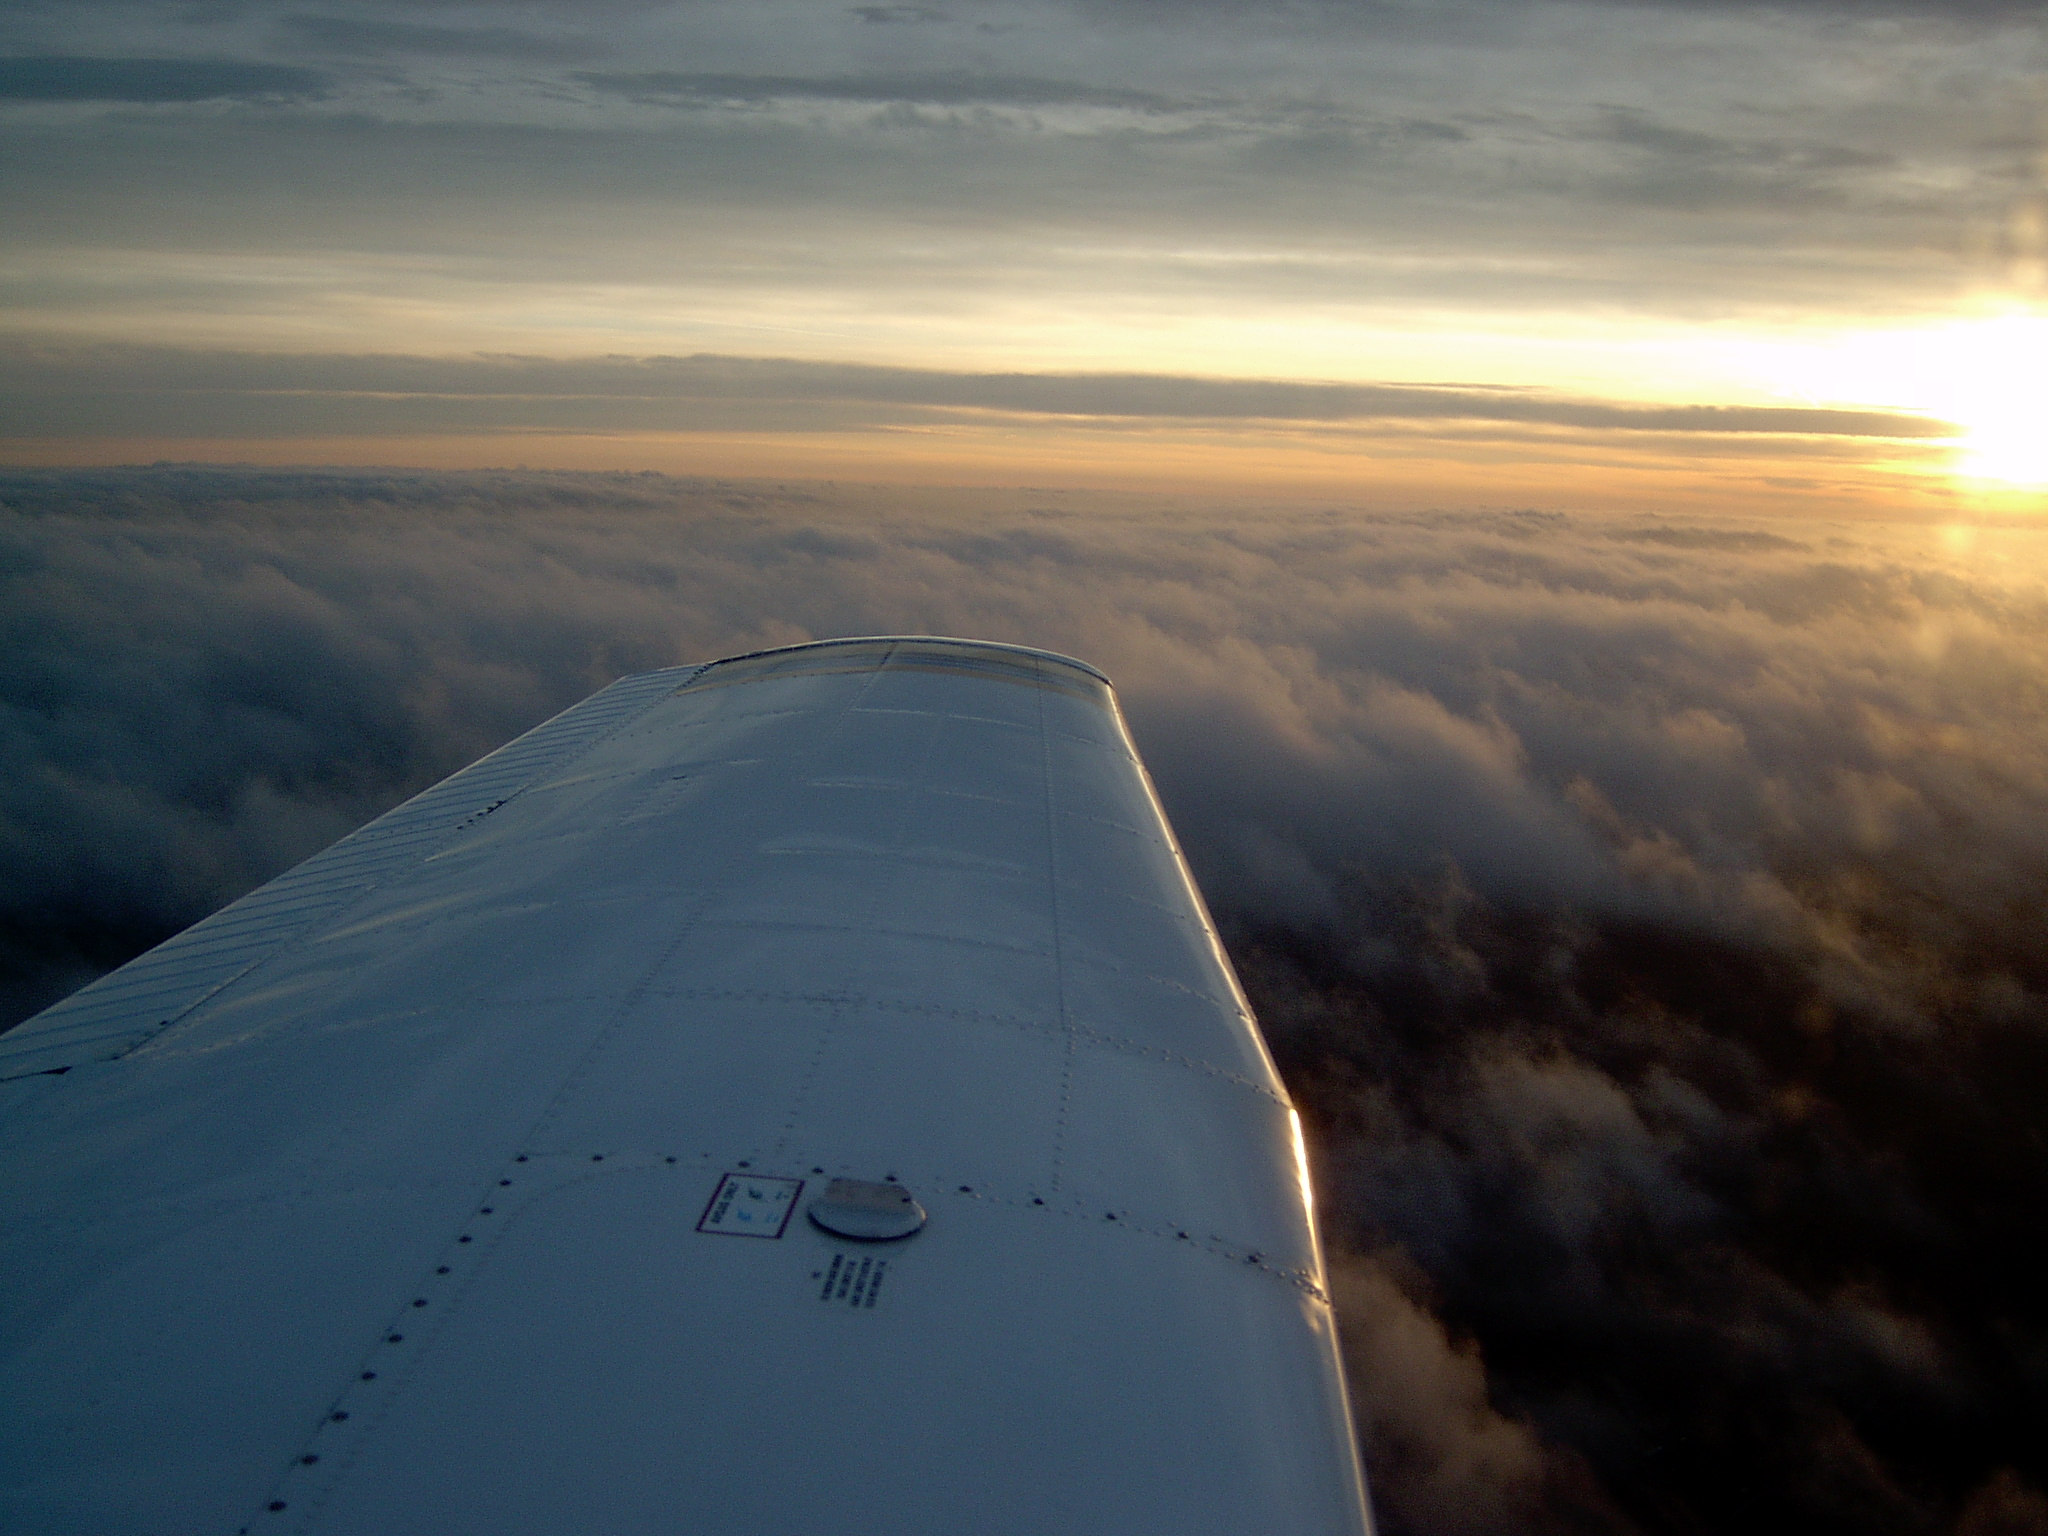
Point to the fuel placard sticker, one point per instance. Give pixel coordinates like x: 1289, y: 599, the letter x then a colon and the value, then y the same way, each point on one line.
x: 746, y: 1205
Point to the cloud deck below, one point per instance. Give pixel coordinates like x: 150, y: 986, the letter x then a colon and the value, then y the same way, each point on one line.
x: 1645, y: 910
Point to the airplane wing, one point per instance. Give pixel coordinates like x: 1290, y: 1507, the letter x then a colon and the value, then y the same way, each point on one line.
x: 802, y: 1093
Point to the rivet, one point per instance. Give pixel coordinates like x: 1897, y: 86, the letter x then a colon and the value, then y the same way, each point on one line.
x: 276, y: 1505
x: 308, y: 1459
x: 504, y: 1183
x: 598, y: 1157
x: 463, y: 1239
x: 419, y: 1301
x: 668, y: 1159
x: 338, y: 1415
x: 369, y: 1376
x: 442, y: 1270
x: 394, y: 1338
x: 520, y: 1158
x: 488, y: 1209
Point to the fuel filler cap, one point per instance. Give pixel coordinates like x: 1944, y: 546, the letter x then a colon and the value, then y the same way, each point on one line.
x: 867, y: 1213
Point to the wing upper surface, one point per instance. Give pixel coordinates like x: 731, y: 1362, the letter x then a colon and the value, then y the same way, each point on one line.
x: 113, y: 1015
x: 453, y: 1211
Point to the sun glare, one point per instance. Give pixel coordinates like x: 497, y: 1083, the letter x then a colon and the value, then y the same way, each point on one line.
x: 1989, y: 376
x: 1992, y: 380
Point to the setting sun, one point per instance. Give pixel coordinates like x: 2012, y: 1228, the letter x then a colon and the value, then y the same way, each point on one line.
x: 2002, y: 401
x: 1984, y: 375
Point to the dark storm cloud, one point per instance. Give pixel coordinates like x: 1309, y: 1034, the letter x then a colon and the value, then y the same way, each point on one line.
x: 68, y: 390
x: 1645, y: 911
x: 65, y: 78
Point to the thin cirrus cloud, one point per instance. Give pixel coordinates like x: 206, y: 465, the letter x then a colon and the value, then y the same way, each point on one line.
x: 58, y: 390
x: 898, y: 15
x: 960, y: 88
x: 156, y: 81
x: 378, y: 37
x: 1397, y: 444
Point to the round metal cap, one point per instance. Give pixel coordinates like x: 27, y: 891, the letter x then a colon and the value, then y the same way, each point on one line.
x: 868, y: 1213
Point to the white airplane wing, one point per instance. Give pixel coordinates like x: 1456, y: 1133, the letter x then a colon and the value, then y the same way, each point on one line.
x: 798, y: 1094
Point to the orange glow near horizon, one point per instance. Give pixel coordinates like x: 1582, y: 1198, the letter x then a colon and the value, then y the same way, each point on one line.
x: 1980, y: 373
x: 1391, y: 465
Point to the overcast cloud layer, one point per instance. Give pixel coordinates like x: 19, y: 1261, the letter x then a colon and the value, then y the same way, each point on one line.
x: 1232, y: 189
x: 1645, y: 911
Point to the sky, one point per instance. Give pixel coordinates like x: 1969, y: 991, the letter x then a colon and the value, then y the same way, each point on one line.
x: 1466, y: 252
x: 1644, y: 909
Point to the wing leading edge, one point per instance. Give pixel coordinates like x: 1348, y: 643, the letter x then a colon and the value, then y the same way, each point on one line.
x: 517, y: 1169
